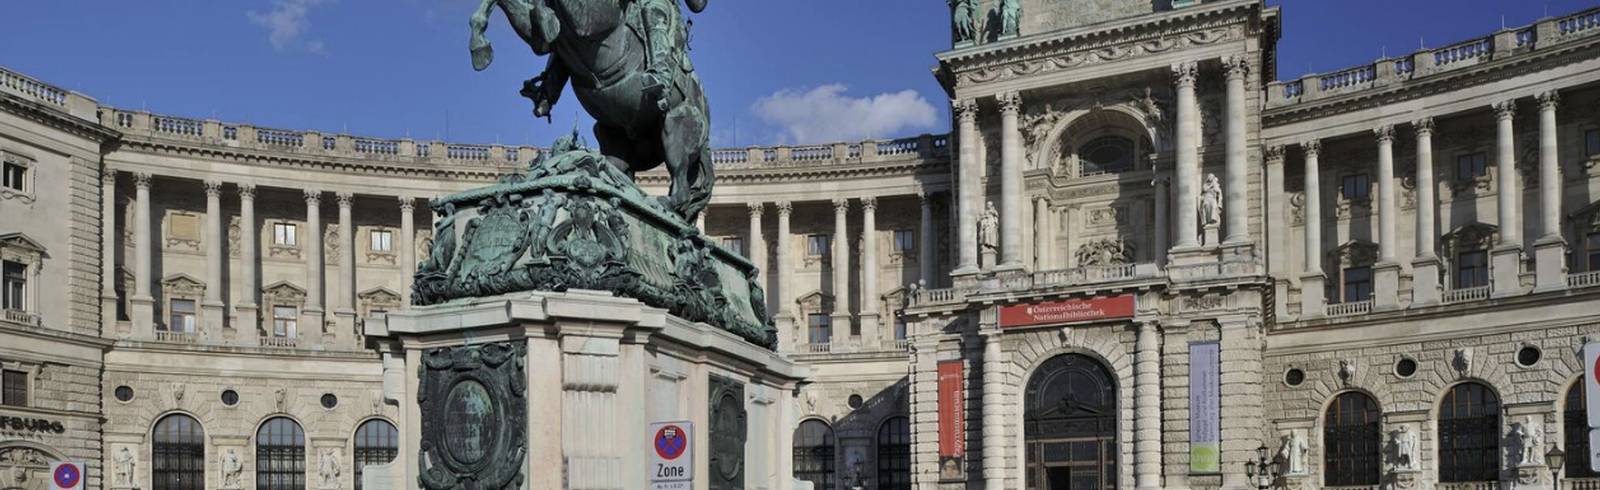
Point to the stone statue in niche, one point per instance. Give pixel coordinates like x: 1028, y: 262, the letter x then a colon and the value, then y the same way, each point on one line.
x: 231, y: 467
x: 1528, y: 437
x: 1292, y: 448
x: 125, y: 467
x: 1211, y: 201
x: 328, y: 469
x: 963, y: 16
x: 1404, y: 442
x: 989, y: 227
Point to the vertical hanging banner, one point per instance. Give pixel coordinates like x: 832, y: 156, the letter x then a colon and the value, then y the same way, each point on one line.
x: 1205, y: 407
x: 952, y: 420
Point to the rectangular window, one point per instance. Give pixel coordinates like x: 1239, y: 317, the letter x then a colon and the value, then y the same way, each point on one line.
x: 15, y: 390
x: 14, y: 292
x: 904, y: 241
x: 382, y: 241
x: 816, y: 245
x: 1356, y: 187
x: 734, y: 244
x: 283, y: 234
x: 182, y: 315
x: 820, y: 327
x: 283, y: 321
x: 1592, y: 249
x: 1472, y: 166
x: 1472, y: 269
x: 1357, y: 284
x: 899, y: 329
x: 1591, y: 142
x: 14, y: 177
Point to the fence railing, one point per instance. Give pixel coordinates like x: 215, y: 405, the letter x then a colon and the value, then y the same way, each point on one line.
x: 23, y: 317
x: 1349, y: 308
x: 276, y: 341
x: 819, y: 348
x: 903, y: 345
x: 1583, y: 279
x: 176, y: 337
x: 1466, y: 294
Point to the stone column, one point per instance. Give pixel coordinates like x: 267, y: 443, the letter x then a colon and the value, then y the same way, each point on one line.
x: 1549, y: 250
x: 591, y: 374
x: 1386, y: 286
x: 1163, y: 238
x: 108, y: 249
x: 1147, y: 406
x: 1042, y: 237
x: 1010, y: 182
x: 144, y: 304
x: 781, y: 293
x: 1506, y: 259
x: 841, y: 270
x: 344, y: 308
x: 212, y: 308
x: 311, y: 316
x: 1188, y: 155
x: 1425, y: 268
x: 926, y: 243
x: 994, y: 417
x: 247, y: 307
x: 408, y: 248
x: 755, y: 246
x: 869, y: 272
x: 969, y: 187
x: 1312, y: 303
x: 1236, y: 185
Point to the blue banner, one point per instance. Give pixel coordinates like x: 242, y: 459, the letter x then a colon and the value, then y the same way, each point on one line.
x: 1205, y: 408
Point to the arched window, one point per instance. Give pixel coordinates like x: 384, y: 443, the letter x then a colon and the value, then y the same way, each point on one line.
x: 280, y: 455
x: 894, y: 454
x: 1351, y: 441
x: 1575, y: 422
x: 377, y: 442
x: 1070, y: 424
x: 1106, y: 155
x: 178, y: 451
x: 813, y: 453
x: 1469, y: 434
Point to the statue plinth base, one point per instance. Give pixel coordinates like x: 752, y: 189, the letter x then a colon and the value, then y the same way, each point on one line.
x: 1406, y: 479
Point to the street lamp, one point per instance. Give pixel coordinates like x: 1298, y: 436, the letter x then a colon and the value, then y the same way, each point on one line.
x: 1263, y: 471
x: 1554, y: 459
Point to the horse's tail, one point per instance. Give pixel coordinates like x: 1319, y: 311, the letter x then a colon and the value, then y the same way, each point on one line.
x: 482, y: 51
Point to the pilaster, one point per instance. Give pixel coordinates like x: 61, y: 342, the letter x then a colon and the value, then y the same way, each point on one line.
x: 108, y: 250
x: 212, y: 310
x: 311, y: 324
x: 344, y: 308
x: 408, y: 247
x: 994, y: 417
x: 1386, y: 273
x: 1147, y: 406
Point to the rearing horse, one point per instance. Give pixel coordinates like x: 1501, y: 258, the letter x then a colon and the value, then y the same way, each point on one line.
x: 628, y: 63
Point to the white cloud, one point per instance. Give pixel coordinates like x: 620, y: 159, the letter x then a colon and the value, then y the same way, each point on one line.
x: 286, y: 24
x: 826, y: 114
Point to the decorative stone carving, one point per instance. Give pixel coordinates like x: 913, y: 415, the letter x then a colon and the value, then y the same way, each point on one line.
x: 1202, y: 303
x: 474, y: 407
x: 1527, y: 439
x: 1105, y: 251
x: 1292, y: 447
x: 125, y: 464
x: 1471, y: 236
x: 1075, y: 55
x: 728, y: 433
x: 1211, y: 201
x: 233, y: 236
x: 330, y: 243
x: 378, y: 298
x: 1404, y: 449
x: 1462, y: 360
x: 1356, y: 253
x: 1347, y: 371
x: 1108, y: 215
x: 1297, y: 207
x: 328, y: 469
x: 231, y: 468
x: 989, y: 227
x: 281, y: 399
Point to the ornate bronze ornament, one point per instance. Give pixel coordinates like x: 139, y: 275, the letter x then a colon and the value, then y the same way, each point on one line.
x: 729, y: 431
x: 474, y: 413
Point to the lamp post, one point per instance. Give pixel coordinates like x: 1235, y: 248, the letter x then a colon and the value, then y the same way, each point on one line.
x: 1554, y: 459
x: 1262, y: 471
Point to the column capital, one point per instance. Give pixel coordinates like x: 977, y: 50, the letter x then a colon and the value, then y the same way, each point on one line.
x: 1041, y: 199
x: 1384, y: 133
x: 247, y: 191
x: 841, y: 205
x: 1505, y: 109
x: 784, y: 208
x: 1236, y: 67
x: 869, y: 204
x: 1273, y: 154
x: 142, y: 180
x: 966, y: 110
x: 108, y: 177
x: 1010, y: 102
x: 1423, y: 126
x: 345, y: 198
x: 925, y: 198
x: 756, y: 208
x: 1184, y: 73
x: 407, y: 203
x: 213, y: 188
x: 313, y: 196
x: 1548, y: 100
x: 1161, y: 180
x: 1311, y: 147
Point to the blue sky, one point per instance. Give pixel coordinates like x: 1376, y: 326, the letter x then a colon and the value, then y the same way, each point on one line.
x: 796, y: 71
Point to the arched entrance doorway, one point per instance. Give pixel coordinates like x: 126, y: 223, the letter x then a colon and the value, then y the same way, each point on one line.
x: 1070, y: 425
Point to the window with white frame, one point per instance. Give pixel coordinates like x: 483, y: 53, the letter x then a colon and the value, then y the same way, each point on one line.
x: 15, y: 176
x: 905, y: 241
x: 381, y: 241
x: 284, y: 319
x: 817, y: 245
x: 13, y: 388
x: 284, y: 234
x: 181, y: 314
x: 14, y: 291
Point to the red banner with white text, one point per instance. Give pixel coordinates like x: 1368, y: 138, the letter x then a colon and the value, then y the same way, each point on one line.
x: 1067, y: 311
x: 952, y: 420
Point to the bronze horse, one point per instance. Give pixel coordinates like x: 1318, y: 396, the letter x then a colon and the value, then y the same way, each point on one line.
x: 628, y: 63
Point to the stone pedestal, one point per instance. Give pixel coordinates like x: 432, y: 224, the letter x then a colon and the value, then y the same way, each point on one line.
x: 1386, y: 286
x: 1550, y: 264
x: 988, y: 260
x: 564, y: 376
x: 1425, y: 281
x: 1313, y: 304
x: 143, y: 316
x: 1211, y: 235
x: 1505, y: 268
x: 1406, y: 479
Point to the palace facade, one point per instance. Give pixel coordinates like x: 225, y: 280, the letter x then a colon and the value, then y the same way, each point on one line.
x: 1134, y: 261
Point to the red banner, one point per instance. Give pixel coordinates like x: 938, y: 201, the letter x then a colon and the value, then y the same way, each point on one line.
x: 952, y: 419
x: 1067, y: 311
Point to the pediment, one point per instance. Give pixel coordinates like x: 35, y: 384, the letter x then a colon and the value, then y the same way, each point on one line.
x: 380, y: 295
x: 20, y: 241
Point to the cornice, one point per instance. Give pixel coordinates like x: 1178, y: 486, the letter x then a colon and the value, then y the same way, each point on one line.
x: 294, y: 161
x: 1433, y: 84
x: 42, y: 114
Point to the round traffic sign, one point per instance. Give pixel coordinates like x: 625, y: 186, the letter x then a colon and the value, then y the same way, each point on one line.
x: 67, y: 475
x: 670, y: 442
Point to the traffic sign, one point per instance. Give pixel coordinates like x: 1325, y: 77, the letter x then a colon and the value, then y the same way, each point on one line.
x: 65, y: 475
x: 1594, y: 451
x: 672, y: 454
x: 1591, y: 382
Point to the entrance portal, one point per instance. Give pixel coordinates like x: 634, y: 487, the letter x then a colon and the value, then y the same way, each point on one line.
x: 1070, y: 425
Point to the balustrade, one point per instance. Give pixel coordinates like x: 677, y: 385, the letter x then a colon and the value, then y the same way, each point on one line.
x: 1583, y: 279
x: 1466, y: 294
x: 1579, y: 22
x: 811, y: 153
x: 33, y: 88
x: 278, y: 137
x: 177, y: 126
x: 1349, y: 308
x: 819, y: 348
x: 1349, y: 78
x: 376, y: 147
x: 23, y: 317
x: 275, y: 341
x: 1463, y: 52
x: 471, y: 153
x: 176, y: 337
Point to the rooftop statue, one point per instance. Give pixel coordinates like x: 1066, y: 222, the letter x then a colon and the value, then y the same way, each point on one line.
x: 628, y: 63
